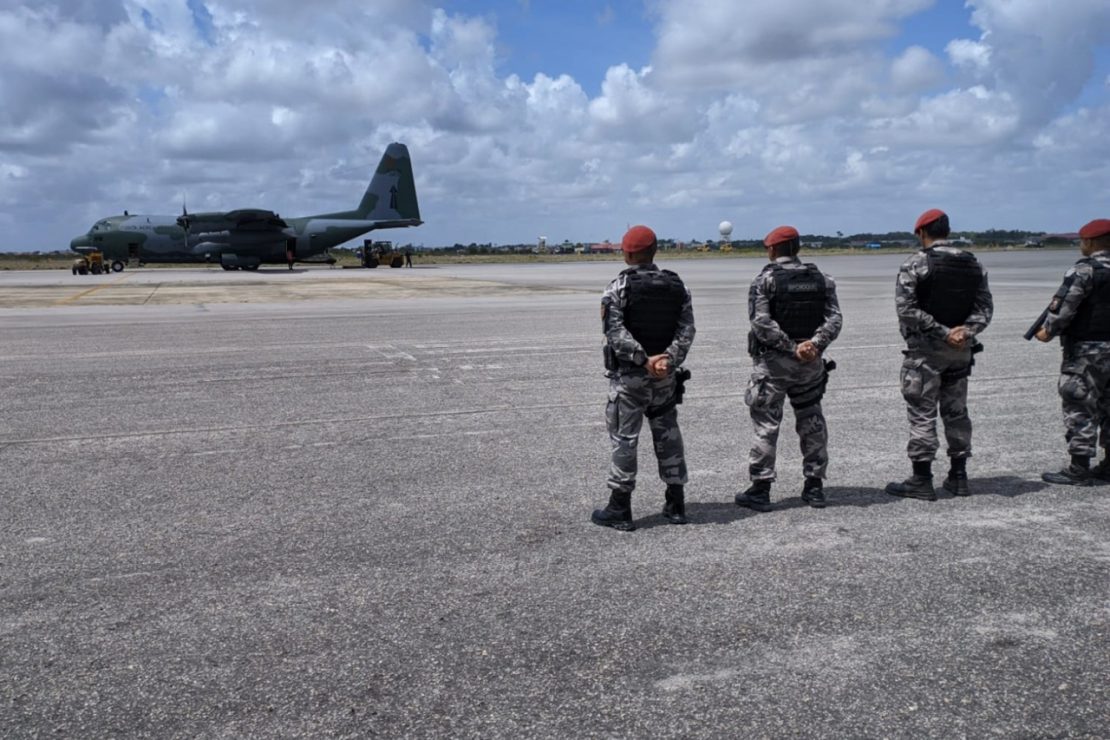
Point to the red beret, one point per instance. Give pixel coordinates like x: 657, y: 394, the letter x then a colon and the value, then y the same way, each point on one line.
x: 638, y: 239
x: 928, y: 217
x: 1095, y: 229
x: 780, y: 235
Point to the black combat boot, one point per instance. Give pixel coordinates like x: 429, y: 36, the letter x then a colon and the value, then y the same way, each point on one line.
x: 1078, y: 473
x: 919, y: 485
x: 956, y: 482
x: 813, y: 493
x: 757, y: 497
x: 674, y: 510
x: 1102, y: 470
x: 618, y: 514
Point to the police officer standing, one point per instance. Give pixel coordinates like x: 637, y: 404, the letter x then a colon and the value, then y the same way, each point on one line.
x: 794, y: 317
x: 1080, y: 315
x: 943, y: 302
x: 648, y: 319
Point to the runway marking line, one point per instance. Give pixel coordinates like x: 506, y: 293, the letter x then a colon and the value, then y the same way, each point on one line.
x: 82, y: 294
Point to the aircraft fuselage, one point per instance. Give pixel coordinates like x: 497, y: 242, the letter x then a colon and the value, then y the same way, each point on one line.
x: 160, y: 238
x: 248, y: 237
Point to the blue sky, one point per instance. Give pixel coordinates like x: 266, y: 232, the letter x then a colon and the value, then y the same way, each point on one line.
x: 579, y: 38
x: 566, y: 119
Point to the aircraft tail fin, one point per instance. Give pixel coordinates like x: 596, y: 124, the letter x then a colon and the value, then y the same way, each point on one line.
x: 391, y: 195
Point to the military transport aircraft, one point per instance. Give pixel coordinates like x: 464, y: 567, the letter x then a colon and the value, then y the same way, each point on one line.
x: 248, y: 237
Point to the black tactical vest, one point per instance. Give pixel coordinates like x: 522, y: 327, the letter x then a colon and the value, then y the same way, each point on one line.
x: 798, y: 306
x: 1092, y: 319
x: 948, y: 291
x: 655, y: 299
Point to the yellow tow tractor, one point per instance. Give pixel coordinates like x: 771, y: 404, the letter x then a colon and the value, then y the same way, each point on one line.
x: 91, y: 262
x: 372, y: 254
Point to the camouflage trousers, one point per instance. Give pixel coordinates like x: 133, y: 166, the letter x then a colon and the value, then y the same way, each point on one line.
x: 931, y: 380
x: 1085, y: 391
x: 775, y: 377
x: 631, y: 394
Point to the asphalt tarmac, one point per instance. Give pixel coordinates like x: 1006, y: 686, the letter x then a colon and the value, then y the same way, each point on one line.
x: 344, y: 513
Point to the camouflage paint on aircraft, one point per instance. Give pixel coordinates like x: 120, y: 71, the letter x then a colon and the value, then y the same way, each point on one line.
x: 248, y: 237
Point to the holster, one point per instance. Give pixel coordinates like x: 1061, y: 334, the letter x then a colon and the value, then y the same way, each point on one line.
x: 755, y: 347
x: 610, y: 357
x: 959, y: 373
x: 681, y: 375
x: 812, y: 395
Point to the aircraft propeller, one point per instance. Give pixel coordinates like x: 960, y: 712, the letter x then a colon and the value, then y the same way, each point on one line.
x: 183, y: 221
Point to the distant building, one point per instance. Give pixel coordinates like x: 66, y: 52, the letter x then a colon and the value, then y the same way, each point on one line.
x: 604, y: 247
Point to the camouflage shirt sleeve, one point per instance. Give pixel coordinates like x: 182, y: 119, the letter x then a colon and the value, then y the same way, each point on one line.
x: 911, y: 318
x: 765, y: 328
x: 830, y: 328
x: 983, y: 309
x: 613, y: 302
x: 684, y: 334
x: 1065, y: 304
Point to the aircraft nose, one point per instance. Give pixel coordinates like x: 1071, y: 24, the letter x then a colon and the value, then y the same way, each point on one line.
x: 78, y: 242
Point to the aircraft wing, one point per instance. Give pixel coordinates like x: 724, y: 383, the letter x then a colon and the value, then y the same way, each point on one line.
x: 254, y: 220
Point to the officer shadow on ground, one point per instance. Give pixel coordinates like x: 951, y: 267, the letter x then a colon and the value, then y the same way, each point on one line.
x: 726, y: 512
x: 1005, y: 485
x: 700, y: 512
x: 845, y: 496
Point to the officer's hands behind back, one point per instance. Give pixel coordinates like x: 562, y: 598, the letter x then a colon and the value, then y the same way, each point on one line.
x: 658, y: 366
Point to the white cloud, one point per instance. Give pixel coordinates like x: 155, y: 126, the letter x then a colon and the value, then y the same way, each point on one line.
x: 916, y: 69
x: 1039, y: 52
x: 971, y: 55
x: 974, y: 117
x: 630, y: 108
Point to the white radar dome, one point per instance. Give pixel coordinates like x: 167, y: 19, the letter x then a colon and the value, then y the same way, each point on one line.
x: 725, y: 228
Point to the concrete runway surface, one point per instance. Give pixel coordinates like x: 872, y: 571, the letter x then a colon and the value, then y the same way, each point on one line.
x: 367, y: 513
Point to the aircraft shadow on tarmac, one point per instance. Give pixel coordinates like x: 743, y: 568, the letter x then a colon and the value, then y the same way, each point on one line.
x: 720, y: 512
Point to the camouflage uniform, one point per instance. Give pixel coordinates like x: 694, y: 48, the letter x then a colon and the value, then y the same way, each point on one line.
x: 1085, y: 371
x: 776, y: 375
x: 933, y: 372
x: 632, y: 391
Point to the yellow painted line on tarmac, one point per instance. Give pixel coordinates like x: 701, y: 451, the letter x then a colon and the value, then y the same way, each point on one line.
x: 83, y: 293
